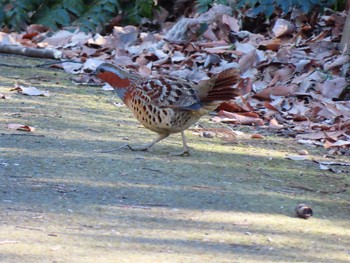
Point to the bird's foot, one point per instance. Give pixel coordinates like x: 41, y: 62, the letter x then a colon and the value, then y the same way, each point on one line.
x: 184, y: 152
x: 139, y: 147
x: 133, y: 148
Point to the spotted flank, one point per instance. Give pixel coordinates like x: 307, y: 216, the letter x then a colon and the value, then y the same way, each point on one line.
x: 166, y: 105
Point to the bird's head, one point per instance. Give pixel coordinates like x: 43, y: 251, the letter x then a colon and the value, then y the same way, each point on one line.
x: 113, y: 75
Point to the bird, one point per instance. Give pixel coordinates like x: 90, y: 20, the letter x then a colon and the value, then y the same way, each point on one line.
x: 166, y: 104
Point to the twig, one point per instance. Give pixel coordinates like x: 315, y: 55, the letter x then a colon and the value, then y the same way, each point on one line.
x: 142, y: 206
x: 24, y: 134
x: 40, y: 65
x: 31, y: 52
x: 341, y: 189
x: 4, y: 242
x: 29, y: 228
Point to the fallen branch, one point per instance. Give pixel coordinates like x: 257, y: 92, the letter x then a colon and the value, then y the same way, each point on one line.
x: 31, y: 52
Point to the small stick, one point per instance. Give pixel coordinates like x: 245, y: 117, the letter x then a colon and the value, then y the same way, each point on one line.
x: 24, y: 134
x: 4, y: 242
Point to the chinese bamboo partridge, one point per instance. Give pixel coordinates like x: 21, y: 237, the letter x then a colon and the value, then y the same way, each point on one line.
x: 168, y: 105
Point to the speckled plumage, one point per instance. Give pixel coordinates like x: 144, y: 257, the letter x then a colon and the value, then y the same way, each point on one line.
x: 168, y: 105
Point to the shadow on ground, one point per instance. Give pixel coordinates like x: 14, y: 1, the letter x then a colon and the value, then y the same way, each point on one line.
x: 63, y: 200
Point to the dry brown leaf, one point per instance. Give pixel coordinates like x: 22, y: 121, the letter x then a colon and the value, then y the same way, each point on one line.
x: 125, y: 36
x: 338, y: 62
x: 269, y: 106
x: 226, y: 116
x: 177, y: 57
x: 332, y: 88
x: 37, y: 28
x: 232, y: 22
x: 274, y: 124
x: 257, y: 136
x: 210, y: 35
x: 30, y: 35
x: 72, y: 68
x: 297, y: 157
x: 30, y: 91
x: 320, y: 135
x: 3, y: 96
x: 270, y: 44
x: 211, y: 60
x: 7, y: 39
x: 20, y: 127
x: 282, y: 27
x: 277, y: 91
x: 235, y: 106
x: 106, y: 42
x: 282, y: 74
x: 58, y: 40
x: 339, y: 143
x: 248, y: 60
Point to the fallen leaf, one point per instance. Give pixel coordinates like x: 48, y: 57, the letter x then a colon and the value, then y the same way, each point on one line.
x: 30, y: 91
x: 271, y: 44
x: 257, y: 136
x: 248, y: 60
x: 232, y: 22
x: 3, y: 96
x: 7, y: 39
x: 226, y: 116
x: 277, y: 91
x: 332, y: 88
x: 20, y: 127
x: 282, y: 27
x: 297, y: 157
x: 338, y: 143
x: 57, y: 40
x: 274, y: 124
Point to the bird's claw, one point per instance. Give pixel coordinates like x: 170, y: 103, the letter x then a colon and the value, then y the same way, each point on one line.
x: 138, y: 148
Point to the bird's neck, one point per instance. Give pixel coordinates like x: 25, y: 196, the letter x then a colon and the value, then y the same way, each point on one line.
x: 121, y: 93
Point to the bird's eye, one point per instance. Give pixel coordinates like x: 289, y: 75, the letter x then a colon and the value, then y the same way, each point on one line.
x: 101, y: 70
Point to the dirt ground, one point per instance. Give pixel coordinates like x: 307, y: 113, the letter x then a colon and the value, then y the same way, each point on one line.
x: 63, y: 199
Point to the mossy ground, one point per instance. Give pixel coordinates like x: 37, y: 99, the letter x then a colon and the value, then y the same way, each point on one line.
x: 63, y: 200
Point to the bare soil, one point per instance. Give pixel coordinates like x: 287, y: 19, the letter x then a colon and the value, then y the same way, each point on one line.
x: 62, y: 199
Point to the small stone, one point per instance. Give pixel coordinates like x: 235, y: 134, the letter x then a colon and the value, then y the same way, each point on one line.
x: 303, y: 152
x: 208, y: 134
x: 55, y: 248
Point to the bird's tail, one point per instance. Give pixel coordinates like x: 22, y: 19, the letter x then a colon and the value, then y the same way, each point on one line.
x: 223, y: 88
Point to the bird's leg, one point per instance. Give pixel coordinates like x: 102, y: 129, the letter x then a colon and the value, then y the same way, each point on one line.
x: 149, y: 145
x: 186, y: 149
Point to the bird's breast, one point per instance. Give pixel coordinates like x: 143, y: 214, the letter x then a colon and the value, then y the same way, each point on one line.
x: 161, y: 120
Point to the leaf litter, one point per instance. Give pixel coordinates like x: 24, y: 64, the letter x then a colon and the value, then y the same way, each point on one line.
x: 294, y: 75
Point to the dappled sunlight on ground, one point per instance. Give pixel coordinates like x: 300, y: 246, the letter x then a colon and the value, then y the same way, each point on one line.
x: 63, y: 200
